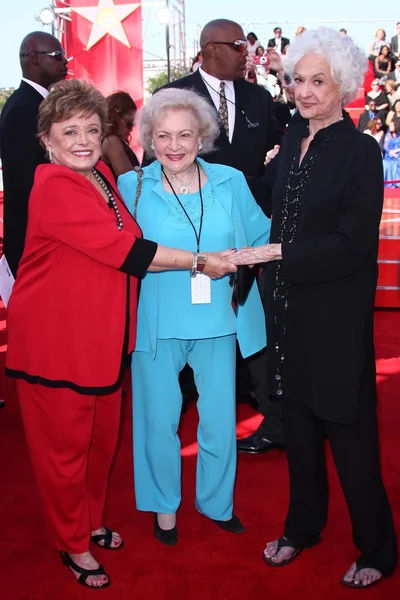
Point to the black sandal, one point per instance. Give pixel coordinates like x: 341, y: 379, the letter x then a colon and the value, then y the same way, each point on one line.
x: 283, y: 543
x: 85, y: 573
x: 107, y: 539
x: 359, y: 567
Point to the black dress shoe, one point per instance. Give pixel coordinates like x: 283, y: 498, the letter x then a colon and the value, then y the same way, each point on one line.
x: 257, y: 444
x: 166, y: 536
x: 2, y: 404
x: 233, y: 525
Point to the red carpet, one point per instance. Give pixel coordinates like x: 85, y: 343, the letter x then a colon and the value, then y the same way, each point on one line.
x: 207, y: 563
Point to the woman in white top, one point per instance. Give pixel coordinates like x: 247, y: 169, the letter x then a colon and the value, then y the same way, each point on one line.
x: 374, y: 128
x: 377, y: 43
x: 252, y: 43
x: 392, y: 92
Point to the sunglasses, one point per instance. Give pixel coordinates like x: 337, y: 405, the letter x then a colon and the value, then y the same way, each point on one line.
x: 57, y: 54
x: 237, y: 45
x: 129, y: 124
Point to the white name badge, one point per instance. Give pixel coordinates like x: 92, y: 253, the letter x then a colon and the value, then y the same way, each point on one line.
x: 200, y: 288
x: 6, y: 280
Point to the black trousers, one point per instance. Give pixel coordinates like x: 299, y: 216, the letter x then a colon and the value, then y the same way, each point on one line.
x: 271, y: 427
x: 355, y: 451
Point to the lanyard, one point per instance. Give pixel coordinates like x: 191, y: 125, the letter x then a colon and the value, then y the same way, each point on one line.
x: 184, y: 210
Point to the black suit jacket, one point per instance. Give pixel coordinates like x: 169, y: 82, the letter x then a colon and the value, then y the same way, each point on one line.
x: 331, y: 267
x: 392, y: 75
x: 21, y: 153
x: 284, y: 43
x: 394, y: 43
x: 256, y: 127
x: 364, y: 119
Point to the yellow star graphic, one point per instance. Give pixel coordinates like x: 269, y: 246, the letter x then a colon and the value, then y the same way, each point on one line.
x: 106, y: 17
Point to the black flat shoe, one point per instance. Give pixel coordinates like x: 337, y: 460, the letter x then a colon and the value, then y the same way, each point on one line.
x: 166, y: 536
x: 85, y: 573
x: 233, y: 525
x: 106, y: 538
x: 257, y: 444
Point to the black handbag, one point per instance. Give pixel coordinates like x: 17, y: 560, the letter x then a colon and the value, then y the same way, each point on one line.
x: 242, y: 282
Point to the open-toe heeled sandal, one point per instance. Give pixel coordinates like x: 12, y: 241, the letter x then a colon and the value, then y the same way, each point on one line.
x: 85, y: 573
x: 106, y: 538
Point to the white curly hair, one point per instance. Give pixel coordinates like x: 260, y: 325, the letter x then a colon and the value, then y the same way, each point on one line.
x: 348, y: 62
x: 178, y: 99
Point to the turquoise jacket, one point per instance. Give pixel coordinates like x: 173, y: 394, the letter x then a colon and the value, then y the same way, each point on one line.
x: 251, y: 227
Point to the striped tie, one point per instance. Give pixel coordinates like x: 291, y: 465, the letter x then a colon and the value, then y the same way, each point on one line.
x: 223, y: 108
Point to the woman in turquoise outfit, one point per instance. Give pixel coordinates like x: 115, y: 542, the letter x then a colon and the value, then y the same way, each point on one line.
x: 192, y: 205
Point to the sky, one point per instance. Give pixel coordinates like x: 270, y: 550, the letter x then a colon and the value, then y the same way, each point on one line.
x: 18, y: 19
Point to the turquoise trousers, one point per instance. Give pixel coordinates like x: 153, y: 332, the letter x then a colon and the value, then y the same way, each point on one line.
x: 157, y: 403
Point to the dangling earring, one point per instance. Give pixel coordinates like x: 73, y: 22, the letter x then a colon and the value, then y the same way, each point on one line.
x: 200, y: 146
x: 50, y: 153
x: 152, y: 146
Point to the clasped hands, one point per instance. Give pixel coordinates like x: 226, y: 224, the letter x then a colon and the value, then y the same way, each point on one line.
x: 221, y: 263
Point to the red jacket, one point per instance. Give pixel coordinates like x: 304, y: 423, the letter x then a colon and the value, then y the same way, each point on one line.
x: 72, y: 313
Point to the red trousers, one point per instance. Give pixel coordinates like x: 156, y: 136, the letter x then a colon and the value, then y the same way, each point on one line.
x: 71, y: 440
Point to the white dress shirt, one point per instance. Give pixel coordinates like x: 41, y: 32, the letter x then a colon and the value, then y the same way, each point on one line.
x: 39, y: 88
x: 212, y: 84
x: 278, y: 45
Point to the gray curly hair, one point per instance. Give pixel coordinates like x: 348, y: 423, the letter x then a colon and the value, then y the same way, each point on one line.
x: 348, y: 62
x: 178, y: 99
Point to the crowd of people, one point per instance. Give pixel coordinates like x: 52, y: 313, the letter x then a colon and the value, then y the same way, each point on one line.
x: 381, y: 116
x: 167, y: 257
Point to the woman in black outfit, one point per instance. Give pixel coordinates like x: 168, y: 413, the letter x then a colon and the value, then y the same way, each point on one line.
x: 115, y: 148
x: 378, y: 96
x: 383, y: 63
x: 321, y: 276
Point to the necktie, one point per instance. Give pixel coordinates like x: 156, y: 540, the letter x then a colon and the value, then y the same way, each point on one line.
x: 223, y: 108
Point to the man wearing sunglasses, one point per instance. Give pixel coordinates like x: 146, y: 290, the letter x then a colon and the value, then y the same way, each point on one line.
x: 43, y: 63
x: 248, y: 129
x: 248, y: 126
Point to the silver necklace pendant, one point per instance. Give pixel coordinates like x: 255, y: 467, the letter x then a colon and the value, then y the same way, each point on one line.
x: 182, y: 187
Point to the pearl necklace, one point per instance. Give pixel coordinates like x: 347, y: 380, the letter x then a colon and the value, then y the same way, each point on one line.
x: 182, y: 187
x: 110, y: 196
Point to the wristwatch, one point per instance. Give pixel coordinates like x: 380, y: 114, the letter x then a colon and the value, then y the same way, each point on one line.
x: 201, y: 262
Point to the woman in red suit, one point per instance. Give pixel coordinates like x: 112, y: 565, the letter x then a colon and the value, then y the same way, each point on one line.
x: 72, y: 321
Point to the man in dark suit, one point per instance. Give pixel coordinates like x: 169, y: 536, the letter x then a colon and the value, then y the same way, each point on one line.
x: 395, y: 74
x: 278, y: 42
x: 251, y: 130
x: 42, y: 63
x: 253, y: 127
x: 394, y: 42
x: 367, y: 115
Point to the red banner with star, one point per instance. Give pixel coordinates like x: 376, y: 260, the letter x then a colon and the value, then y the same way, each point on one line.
x: 103, y: 41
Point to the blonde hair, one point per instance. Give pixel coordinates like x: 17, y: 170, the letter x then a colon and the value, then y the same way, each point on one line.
x: 383, y: 31
x: 70, y: 98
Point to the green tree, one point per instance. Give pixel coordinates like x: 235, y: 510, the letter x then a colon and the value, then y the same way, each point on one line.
x: 153, y: 83
x: 4, y: 95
